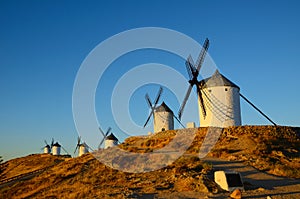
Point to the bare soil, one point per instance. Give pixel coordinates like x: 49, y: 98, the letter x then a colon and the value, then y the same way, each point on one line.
x: 267, y: 158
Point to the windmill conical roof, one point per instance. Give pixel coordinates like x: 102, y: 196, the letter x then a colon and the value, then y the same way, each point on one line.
x: 163, y: 108
x: 83, y: 144
x: 57, y: 145
x: 111, y: 137
x: 217, y: 79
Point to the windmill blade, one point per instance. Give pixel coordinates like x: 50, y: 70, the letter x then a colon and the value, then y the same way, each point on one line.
x: 101, y: 143
x: 184, y: 101
x: 78, y: 143
x: 52, y: 143
x: 148, y: 118
x: 148, y: 100
x: 101, y: 132
x: 89, y: 147
x: 202, y: 54
x: 190, y: 60
x: 78, y: 140
x: 178, y: 121
x: 108, y: 131
x: 152, y: 106
x: 201, y: 101
x: 192, y: 68
x: 158, y: 96
x: 104, y: 135
x: 64, y: 149
x: 76, y: 148
x: 46, y: 142
x: 188, y: 67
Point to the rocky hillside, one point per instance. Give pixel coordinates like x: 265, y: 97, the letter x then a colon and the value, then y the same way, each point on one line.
x: 151, y: 171
x: 275, y: 150
x: 86, y: 177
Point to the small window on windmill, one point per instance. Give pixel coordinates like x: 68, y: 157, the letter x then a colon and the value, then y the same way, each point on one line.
x: 209, y: 90
x: 226, y: 89
x: 163, y: 129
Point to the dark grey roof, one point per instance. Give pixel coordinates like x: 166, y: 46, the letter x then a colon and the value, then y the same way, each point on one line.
x: 83, y: 144
x: 217, y: 79
x: 111, y: 137
x: 163, y: 108
x: 56, y: 144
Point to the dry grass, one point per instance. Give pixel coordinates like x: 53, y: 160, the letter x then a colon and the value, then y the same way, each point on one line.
x: 85, y: 177
x: 274, y: 150
x: 28, y: 164
x: 267, y: 148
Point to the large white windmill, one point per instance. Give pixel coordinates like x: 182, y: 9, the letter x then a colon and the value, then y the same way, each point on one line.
x: 218, y: 97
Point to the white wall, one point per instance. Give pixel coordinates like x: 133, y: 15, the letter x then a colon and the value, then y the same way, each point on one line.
x: 55, y: 150
x: 163, y: 120
x: 110, y: 143
x: 222, y: 107
x: 82, y: 150
x: 46, y: 150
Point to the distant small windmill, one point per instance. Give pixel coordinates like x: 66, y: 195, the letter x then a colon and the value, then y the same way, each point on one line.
x: 104, y: 136
x: 109, y: 140
x: 56, y: 148
x: 218, y: 97
x: 47, y: 148
x: 82, y: 147
x: 162, y: 115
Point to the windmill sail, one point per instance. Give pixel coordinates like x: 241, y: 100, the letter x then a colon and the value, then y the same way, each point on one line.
x: 193, y: 73
x: 104, y: 136
x: 154, y: 104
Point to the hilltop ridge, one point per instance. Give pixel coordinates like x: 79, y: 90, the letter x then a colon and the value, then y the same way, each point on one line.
x: 270, y: 149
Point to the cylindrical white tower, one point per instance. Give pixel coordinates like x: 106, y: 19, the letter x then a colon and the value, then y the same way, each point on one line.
x: 110, y: 141
x: 47, y: 149
x: 221, y: 101
x: 83, y: 149
x: 163, y: 118
x: 56, y: 149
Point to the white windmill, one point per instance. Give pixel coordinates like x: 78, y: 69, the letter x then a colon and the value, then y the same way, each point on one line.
x: 109, y: 140
x: 82, y: 147
x: 47, y: 147
x: 163, y: 116
x: 56, y: 148
x: 218, y: 97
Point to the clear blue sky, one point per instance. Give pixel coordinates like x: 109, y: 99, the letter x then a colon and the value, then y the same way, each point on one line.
x: 43, y: 43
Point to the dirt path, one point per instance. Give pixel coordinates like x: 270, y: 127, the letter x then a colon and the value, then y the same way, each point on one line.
x: 259, y: 184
